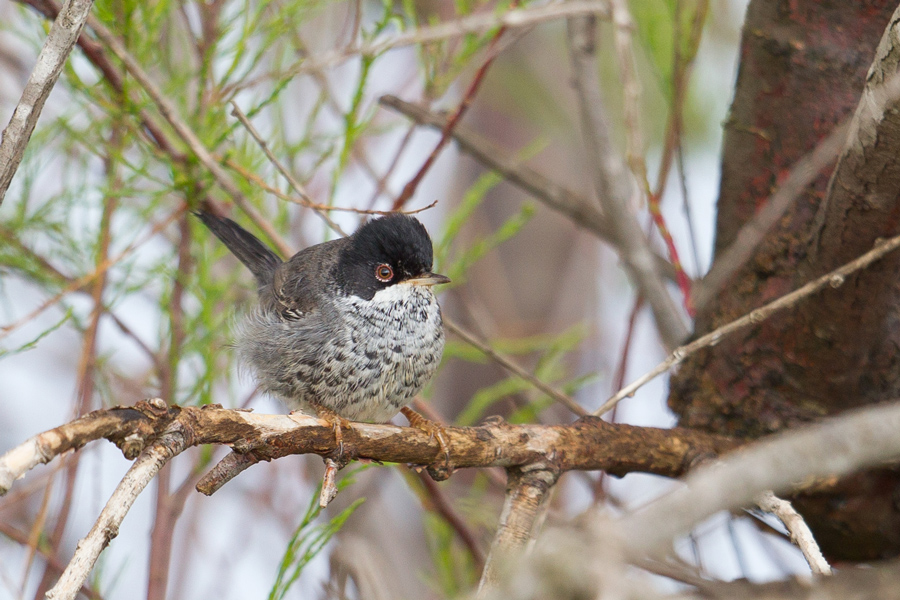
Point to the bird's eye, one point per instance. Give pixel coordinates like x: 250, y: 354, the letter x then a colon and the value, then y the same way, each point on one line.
x: 384, y: 273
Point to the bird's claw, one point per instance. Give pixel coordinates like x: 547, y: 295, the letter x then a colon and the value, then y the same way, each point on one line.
x: 434, y: 431
x: 338, y: 424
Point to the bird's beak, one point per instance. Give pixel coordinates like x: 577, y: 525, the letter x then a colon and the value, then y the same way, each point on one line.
x: 429, y: 279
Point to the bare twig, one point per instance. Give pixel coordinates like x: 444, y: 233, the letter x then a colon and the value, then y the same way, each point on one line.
x: 480, y: 23
x: 833, y: 279
x: 62, y: 37
x: 410, y: 188
x: 751, y: 235
x: 623, y: 42
x: 799, y: 530
x: 614, y: 188
x: 527, y: 492
x: 579, y: 209
x: 513, y: 368
x: 258, y: 181
x: 295, y: 185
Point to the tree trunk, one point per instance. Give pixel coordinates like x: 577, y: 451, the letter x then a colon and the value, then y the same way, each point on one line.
x: 803, y: 67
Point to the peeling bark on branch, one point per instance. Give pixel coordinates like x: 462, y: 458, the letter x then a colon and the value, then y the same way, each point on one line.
x: 587, y: 444
x: 535, y: 455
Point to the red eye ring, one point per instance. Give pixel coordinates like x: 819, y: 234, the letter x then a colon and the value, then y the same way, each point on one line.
x: 384, y: 272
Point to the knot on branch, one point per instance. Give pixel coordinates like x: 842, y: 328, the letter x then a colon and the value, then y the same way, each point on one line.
x: 137, y: 425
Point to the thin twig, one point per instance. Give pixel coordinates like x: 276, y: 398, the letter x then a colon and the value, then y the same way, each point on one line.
x: 59, y: 43
x: 358, y: 151
x: 480, y: 23
x: 681, y: 72
x: 833, y: 279
x: 515, y: 369
x: 258, y: 181
x: 635, y: 151
x: 613, y: 185
x: 295, y: 185
x: 168, y: 110
x: 410, y: 188
x: 799, y: 530
x: 579, y: 209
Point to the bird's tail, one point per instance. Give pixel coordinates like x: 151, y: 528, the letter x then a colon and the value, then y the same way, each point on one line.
x: 255, y: 255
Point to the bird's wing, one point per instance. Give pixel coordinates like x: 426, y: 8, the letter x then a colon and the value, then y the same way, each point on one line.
x: 300, y: 284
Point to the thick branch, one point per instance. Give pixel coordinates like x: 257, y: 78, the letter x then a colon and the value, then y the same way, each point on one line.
x: 862, y: 195
x: 587, y: 444
x: 527, y: 492
x: 833, y: 448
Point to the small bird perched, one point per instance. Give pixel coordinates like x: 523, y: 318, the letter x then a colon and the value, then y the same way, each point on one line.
x: 351, y: 326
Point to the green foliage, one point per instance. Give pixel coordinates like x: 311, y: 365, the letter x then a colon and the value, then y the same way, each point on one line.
x: 31, y: 344
x: 457, y: 266
x: 660, y: 29
x: 552, y: 350
x: 310, y: 538
x: 454, y: 569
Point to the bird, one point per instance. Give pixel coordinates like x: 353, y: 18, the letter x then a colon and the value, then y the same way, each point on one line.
x: 349, y: 329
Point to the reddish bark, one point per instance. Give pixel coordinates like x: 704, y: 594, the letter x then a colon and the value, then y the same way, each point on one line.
x: 803, y: 67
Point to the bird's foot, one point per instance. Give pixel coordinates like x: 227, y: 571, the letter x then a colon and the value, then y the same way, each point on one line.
x: 338, y: 424
x: 437, y: 432
x: 336, y: 461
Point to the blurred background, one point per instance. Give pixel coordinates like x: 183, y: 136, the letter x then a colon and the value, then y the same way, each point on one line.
x: 97, y: 184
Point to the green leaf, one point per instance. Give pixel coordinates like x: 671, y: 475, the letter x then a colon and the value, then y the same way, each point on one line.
x: 309, y: 539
